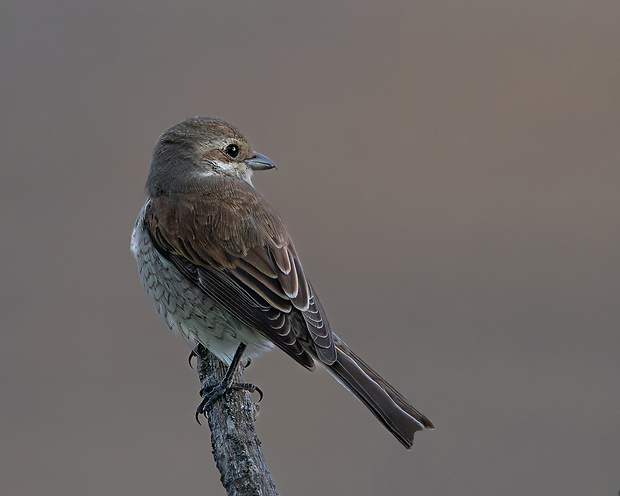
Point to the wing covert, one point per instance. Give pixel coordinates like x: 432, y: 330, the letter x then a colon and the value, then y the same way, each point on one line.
x: 246, y: 263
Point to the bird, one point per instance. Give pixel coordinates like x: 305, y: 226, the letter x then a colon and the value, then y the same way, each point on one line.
x: 218, y: 263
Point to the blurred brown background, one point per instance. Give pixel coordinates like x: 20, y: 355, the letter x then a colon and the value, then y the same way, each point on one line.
x: 450, y: 174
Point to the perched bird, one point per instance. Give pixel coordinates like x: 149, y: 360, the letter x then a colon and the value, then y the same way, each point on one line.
x: 219, y: 265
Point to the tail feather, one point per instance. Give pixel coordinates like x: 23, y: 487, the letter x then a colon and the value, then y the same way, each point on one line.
x: 387, y: 404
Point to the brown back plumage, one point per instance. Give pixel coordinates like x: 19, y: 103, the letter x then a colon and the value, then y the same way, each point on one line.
x: 231, y: 243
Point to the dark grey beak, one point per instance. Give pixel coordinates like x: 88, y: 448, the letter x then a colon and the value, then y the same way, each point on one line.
x: 259, y: 162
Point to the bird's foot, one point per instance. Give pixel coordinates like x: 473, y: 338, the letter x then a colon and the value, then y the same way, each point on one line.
x: 250, y: 388
x: 211, y: 394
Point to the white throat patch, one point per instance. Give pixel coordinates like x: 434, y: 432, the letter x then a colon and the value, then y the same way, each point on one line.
x: 230, y: 169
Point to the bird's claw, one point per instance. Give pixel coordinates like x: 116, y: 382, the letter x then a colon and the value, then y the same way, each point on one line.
x: 211, y: 394
x: 250, y: 388
x: 199, y: 350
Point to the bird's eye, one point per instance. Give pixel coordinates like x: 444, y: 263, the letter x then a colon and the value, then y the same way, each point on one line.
x: 232, y: 151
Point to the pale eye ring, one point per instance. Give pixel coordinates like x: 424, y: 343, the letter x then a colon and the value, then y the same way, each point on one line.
x: 232, y: 150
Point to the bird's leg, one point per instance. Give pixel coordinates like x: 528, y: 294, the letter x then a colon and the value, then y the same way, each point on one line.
x: 213, y: 393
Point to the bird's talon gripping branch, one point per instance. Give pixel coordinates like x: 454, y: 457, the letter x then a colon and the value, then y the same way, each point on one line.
x: 198, y: 351
x: 250, y: 388
x: 211, y: 394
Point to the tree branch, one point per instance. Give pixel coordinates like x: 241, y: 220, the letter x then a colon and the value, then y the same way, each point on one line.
x: 236, y: 447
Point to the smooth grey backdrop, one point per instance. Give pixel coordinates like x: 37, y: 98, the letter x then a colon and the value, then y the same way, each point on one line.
x: 450, y: 174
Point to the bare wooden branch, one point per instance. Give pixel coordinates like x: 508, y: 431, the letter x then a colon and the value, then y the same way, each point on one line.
x: 236, y: 447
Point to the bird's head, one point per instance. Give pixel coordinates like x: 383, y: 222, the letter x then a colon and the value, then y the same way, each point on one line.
x: 199, y: 148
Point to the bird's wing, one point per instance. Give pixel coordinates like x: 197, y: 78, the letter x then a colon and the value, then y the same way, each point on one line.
x: 234, y: 247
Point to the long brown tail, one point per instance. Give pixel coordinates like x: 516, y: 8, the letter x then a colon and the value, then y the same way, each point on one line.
x: 387, y: 404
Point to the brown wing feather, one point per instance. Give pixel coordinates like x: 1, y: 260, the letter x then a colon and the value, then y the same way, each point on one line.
x: 230, y: 242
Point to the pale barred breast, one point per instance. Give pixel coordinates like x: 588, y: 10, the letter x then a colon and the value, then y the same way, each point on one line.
x: 185, y: 308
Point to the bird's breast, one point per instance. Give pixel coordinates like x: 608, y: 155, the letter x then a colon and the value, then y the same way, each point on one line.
x: 185, y: 308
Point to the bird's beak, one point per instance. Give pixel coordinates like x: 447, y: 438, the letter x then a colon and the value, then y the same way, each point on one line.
x: 259, y: 162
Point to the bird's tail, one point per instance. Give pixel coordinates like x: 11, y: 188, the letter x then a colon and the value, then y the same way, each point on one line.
x: 387, y: 404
